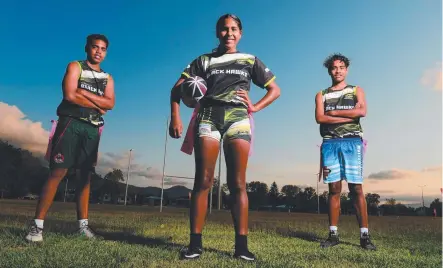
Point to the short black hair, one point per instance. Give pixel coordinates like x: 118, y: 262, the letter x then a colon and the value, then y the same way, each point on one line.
x: 337, y: 56
x: 221, y: 20
x: 92, y: 37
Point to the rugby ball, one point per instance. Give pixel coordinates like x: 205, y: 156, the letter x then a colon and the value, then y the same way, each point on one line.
x: 192, y: 90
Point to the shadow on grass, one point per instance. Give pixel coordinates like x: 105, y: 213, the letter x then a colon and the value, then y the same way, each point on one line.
x: 167, y: 244
x: 307, y: 236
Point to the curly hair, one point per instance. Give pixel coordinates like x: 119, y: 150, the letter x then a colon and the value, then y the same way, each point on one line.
x: 92, y: 37
x: 330, y: 60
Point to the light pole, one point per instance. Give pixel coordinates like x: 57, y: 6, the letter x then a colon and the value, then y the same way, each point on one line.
x: 127, y: 176
x: 164, y: 165
x: 318, y: 194
x: 66, y: 188
x: 422, y: 199
x: 219, y: 179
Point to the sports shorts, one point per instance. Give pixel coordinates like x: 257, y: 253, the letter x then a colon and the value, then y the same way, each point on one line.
x: 223, y: 121
x: 344, y: 159
x: 74, y: 145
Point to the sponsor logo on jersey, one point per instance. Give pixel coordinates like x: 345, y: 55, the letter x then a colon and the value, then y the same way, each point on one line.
x: 228, y: 71
x: 91, y: 88
x: 59, y: 158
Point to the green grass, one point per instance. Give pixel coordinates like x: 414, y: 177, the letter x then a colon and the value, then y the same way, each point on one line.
x: 143, y: 237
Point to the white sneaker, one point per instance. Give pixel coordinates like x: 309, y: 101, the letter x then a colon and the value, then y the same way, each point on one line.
x: 87, y: 231
x: 35, y: 234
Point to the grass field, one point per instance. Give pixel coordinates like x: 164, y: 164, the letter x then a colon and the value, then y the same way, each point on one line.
x: 143, y: 237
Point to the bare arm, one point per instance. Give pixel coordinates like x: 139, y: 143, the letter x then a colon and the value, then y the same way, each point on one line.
x: 106, y: 102
x: 271, y: 95
x: 358, y: 111
x: 175, y: 98
x: 176, y: 126
x: 69, y: 86
x: 273, y: 92
x: 322, y: 118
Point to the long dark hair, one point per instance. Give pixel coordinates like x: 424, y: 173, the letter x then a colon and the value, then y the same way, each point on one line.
x: 220, y: 22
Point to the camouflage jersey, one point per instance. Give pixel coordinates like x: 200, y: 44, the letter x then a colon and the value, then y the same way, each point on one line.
x: 226, y: 73
x: 344, y: 99
x: 92, y: 81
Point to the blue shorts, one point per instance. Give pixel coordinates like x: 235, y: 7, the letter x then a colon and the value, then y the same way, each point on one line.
x: 344, y: 158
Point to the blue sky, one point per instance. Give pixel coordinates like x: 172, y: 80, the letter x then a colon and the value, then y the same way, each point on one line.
x: 391, y: 44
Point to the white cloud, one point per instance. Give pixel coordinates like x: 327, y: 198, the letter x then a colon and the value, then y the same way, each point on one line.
x: 399, y: 184
x: 139, y: 175
x: 22, y: 132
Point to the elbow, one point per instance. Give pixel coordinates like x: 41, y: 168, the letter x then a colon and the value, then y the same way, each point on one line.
x: 275, y: 92
x: 363, y: 113
x: 110, y: 105
x: 318, y: 119
x: 70, y: 97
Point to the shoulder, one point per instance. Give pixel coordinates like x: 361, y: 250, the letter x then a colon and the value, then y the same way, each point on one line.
x: 74, y: 66
x: 323, y: 92
x: 356, y: 89
x: 251, y: 58
x: 205, y: 56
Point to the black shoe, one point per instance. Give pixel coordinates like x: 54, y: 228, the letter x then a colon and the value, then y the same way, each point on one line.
x: 244, y: 255
x: 189, y: 253
x: 332, y: 240
x: 365, y: 242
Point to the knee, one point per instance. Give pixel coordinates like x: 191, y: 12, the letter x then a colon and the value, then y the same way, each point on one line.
x: 206, y: 180
x: 335, y: 190
x: 237, y: 187
x: 356, y: 190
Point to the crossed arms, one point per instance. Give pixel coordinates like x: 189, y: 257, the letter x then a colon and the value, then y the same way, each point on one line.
x: 83, y: 97
x: 340, y: 116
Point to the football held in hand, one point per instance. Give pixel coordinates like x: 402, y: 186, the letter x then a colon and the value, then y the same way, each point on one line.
x: 192, y: 90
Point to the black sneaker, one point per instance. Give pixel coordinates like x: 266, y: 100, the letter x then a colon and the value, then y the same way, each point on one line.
x: 190, y: 253
x: 332, y: 240
x: 365, y: 242
x: 244, y: 255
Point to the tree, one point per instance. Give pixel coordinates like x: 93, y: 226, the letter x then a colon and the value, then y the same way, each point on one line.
x: 290, y: 193
x: 391, y: 202
x: 437, y: 205
x: 307, y: 200
x: 273, y: 194
x: 257, y: 193
x: 324, y: 198
x: 113, y: 177
x: 372, y: 201
x: 225, y: 188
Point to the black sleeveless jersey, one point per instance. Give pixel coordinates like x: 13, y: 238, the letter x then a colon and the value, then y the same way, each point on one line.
x: 92, y: 81
x: 226, y: 73
x: 344, y: 99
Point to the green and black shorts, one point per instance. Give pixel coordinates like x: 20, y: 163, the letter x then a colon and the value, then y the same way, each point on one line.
x: 74, y: 144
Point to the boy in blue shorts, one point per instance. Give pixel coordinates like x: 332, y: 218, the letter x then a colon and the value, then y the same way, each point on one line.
x: 338, y: 111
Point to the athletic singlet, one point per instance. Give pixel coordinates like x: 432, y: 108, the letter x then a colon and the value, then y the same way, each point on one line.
x: 226, y: 73
x: 344, y: 99
x: 92, y: 81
